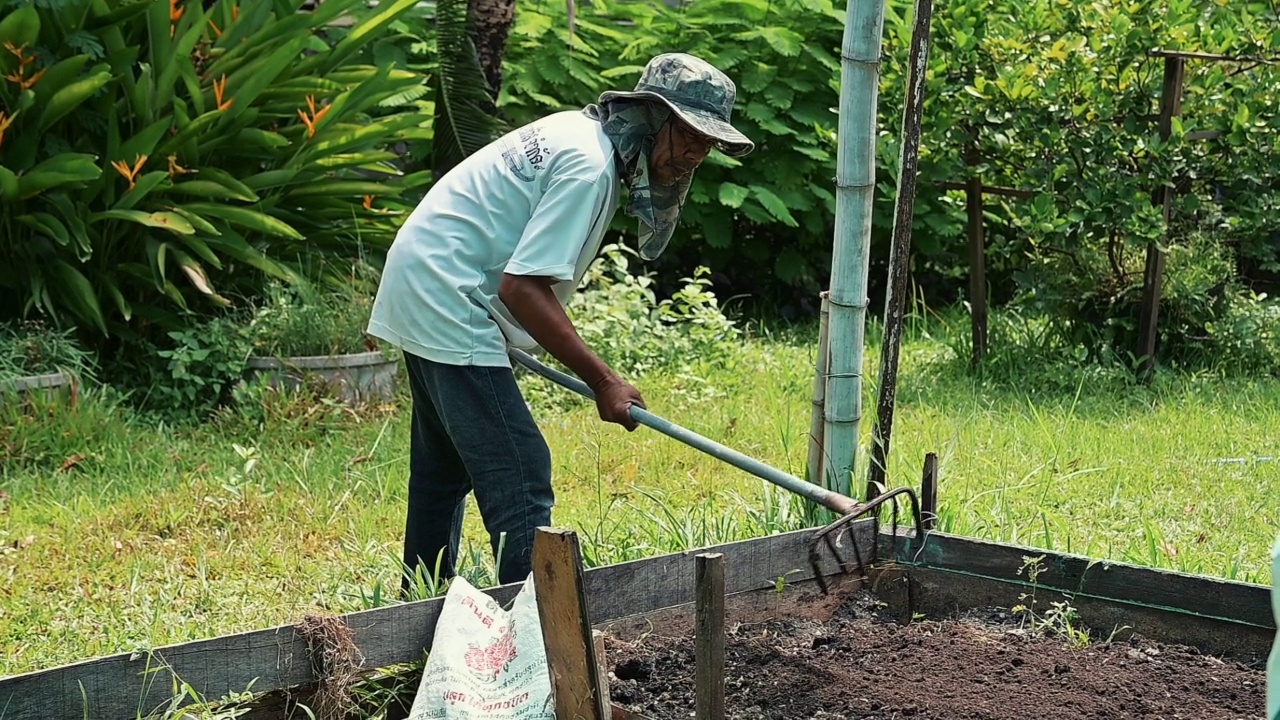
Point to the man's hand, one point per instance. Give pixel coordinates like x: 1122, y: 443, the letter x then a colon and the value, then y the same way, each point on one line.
x: 536, y: 308
x: 613, y: 398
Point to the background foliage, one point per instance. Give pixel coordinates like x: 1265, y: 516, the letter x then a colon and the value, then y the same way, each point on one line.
x: 1055, y: 97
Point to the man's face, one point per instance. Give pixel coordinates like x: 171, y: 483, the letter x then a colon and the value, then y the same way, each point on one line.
x: 678, y: 150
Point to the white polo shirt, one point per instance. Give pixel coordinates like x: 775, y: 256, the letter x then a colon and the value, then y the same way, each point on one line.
x: 535, y: 202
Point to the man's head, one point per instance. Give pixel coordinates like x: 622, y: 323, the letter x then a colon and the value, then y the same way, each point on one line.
x: 663, y: 130
x: 699, y: 96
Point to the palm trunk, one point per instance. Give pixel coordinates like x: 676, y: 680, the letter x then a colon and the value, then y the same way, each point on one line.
x: 489, y: 22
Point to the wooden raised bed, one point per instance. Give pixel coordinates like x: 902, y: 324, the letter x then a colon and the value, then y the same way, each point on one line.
x: 774, y: 611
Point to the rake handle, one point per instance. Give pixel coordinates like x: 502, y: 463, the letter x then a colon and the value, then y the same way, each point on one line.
x: 831, y: 500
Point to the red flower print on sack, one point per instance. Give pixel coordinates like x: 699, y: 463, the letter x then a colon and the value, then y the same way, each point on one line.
x: 496, y: 657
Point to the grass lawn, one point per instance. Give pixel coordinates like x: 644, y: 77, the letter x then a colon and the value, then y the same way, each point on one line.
x: 116, y: 534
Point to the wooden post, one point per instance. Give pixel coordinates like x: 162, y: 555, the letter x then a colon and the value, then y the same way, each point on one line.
x: 977, y: 269
x: 929, y: 492
x: 895, y: 300
x: 817, y: 449
x: 709, y: 636
x: 1153, y: 275
x: 566, y: 627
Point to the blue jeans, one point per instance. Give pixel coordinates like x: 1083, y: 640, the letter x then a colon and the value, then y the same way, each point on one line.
x: 472, y: 431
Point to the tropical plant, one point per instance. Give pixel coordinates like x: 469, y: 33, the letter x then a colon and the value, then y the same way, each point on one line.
x: 162, y: 156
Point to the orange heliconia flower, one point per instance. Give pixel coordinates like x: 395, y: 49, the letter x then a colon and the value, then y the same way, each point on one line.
x: 315, y: 117
x: 130, y: 173
x: 5, y: 122
x: 175, y: 14
x: 368, y: 202
x: 175, y: 168
x: 19, y: 77
x: 219, y: 90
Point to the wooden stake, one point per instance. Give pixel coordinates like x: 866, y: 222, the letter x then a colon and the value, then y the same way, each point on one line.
x: 1153, y: 273
x: 929, y: 492
x: 566, y: 627
x: 709, y: 636
x: 817, y: 452
x: 977, y: 270
x: 895, y: 300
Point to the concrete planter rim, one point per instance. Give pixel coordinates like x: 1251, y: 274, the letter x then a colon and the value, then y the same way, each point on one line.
x: 319, y: 362
x: 38, y: 382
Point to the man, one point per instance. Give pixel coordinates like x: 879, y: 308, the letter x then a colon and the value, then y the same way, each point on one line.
x: 487, y: 261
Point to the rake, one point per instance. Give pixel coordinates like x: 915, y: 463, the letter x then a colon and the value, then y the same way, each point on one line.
x: 830, y: 537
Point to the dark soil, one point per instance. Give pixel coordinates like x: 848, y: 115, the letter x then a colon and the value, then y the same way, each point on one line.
x: 986, y: 666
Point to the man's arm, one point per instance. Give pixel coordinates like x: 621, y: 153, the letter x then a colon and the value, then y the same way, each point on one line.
x: 537, y: 309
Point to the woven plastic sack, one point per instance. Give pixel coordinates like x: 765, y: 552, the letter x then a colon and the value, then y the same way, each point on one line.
x: 486, y: 662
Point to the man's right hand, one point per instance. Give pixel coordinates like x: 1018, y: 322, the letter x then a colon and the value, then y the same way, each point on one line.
x: 613, y: 398
x: 536, y: 308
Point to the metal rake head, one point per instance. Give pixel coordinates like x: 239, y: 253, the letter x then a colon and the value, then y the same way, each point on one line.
x: 835, y: 534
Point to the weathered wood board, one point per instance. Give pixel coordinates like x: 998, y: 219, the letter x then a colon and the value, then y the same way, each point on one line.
x: 951, y: 573
x: 126, y: 686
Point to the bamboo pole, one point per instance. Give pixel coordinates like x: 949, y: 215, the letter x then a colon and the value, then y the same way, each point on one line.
x: 895, y: 300
x: 817, y: 456
x: 855, y: 187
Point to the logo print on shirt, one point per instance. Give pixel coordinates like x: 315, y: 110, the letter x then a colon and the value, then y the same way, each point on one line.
x: 525, y: 160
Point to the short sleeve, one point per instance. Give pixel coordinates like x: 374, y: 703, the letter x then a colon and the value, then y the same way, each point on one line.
x: 557, y: 230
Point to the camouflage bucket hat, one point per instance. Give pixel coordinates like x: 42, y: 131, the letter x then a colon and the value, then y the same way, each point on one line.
x: 697, y: 92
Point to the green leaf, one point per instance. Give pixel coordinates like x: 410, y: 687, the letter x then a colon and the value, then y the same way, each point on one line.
x: 733, y: 195
x: 142, y: 187
x: 78, y: 293
x: 774, y: 205
x: 9, y: 187
x: 199, y: 223
x: 257, y: 137
x: 211, y: 189
x: 791, y: 265
x: 74, y: 216
x: 342, y: 188
x: 47, y: 225
x: 246, y: 218
x: 58, y: 76
x: 271, y: 178
x: 126, y: 310
x: 228, y: 181
x: 64, y: 169
x: 785, y: 42
x: 144, y: 142
x: 170, y: 221
x: 70, y: 97
x: 719, y: 233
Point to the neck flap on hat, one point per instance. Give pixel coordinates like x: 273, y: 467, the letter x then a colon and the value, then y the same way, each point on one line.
x: 631, y: 126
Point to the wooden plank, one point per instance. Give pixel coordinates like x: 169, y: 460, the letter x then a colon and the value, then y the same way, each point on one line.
x: 943, y: 593
x: 642, y: 586
x: 709, y: 637
x: 1153, y: 272
x: 977, y: 270
x: 1081, y: 577
x: 116, y: 686
x: 566, y: 628
x: 1211, y: 57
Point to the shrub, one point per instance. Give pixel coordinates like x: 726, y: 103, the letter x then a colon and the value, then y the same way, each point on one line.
x: 619, y: 316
